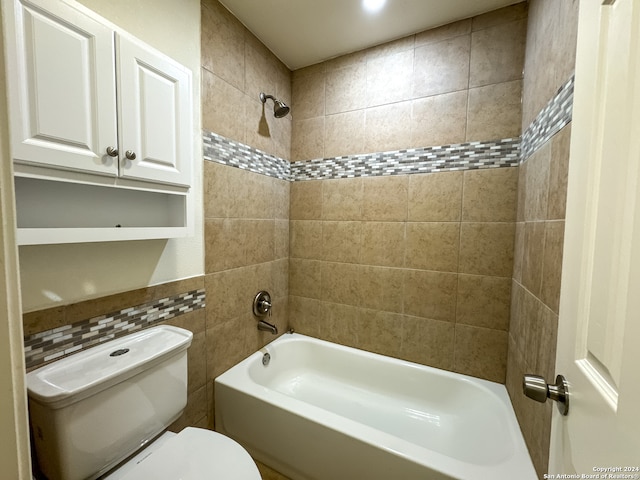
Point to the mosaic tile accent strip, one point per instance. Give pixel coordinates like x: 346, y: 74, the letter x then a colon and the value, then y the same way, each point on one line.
x: 49, y: 345
x: 462, y: 156
x: 228, y: 152
x: 550, y: 120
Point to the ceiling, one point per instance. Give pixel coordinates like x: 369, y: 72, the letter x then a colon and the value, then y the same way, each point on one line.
x: 305, y: 32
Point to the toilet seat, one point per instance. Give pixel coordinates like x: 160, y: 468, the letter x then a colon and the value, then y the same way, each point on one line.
x: 196, y: 454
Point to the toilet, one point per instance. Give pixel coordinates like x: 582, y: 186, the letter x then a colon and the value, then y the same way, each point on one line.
x: 101, y: 413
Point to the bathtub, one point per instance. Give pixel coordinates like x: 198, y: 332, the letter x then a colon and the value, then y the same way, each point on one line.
x: 323, y: 411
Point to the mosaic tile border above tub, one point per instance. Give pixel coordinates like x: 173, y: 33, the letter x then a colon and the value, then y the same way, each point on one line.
x: 551, y: 119
x: 43, y: 347
x: 462, y: 156
x: 219, y: 149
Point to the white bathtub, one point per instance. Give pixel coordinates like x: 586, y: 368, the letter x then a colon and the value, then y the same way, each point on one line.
x: 324, y: 411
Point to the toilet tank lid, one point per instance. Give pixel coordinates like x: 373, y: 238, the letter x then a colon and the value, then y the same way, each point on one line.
x: 87, y: 372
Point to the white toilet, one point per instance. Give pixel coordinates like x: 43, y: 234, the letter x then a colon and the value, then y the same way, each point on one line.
x: 93, y: 410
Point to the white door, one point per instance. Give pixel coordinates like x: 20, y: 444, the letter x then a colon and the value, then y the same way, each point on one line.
x: 154, y: 96
x: 599, y: 326
x: 61, y: 87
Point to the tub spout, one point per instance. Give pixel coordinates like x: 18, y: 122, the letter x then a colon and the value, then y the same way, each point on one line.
x: 267, y: 327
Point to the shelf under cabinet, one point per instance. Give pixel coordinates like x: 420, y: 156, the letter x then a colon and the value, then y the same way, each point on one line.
x: 51, y: 211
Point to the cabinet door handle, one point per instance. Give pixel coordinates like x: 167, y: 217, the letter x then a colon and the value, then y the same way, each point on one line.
x: 130, y: 154
x: 112, y: 151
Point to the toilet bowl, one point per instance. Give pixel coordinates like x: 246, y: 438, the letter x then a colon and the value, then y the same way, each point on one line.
x: 101, y: 413
x: 192, y: 454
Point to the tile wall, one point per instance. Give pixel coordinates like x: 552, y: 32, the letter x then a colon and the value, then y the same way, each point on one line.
x: 457, y: 83
x: 236, y: 67
x: 246, y: 206
x: 413, y: 266
x: 549, y: 66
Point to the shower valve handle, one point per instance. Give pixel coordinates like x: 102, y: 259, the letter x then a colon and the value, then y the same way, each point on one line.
x: 262, y: 304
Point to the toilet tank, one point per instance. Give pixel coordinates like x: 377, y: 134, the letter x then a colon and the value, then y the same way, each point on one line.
x: 91, y: 410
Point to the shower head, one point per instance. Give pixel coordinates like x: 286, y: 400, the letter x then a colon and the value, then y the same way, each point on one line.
x: 280, y: 109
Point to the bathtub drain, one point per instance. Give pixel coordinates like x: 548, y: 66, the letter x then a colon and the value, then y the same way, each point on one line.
x: 266, y: 358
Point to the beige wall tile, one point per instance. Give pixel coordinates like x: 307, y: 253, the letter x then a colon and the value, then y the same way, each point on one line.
x: 463, y: 27
x: 223, y: 107
x: 481, y: 352
x: 522, y: 191
x: 552, y: 264
x: 502, y: 15
x: 225, y: 244
x: 281, y: 239
x: 550, y: 53
x: 428, y: 342
x: 390, y: 48
x: 430, y: 294
x: 383, y: 88
x: 306, y: 200
x: 385, y: 198
x: 381, y: 288
x: 494, y: 111
x: 344, y: 133
x: 490, y: 195
x: 517, y: 321
x: 441, y: 67
x: 537, y: 184
x: 260, y: 237
x: 348, y: 60
x: 433, y: 246
x: 346, y: 89
x: 558, y: 174
x: 222, y: 355
x: 282, y: 197
x: 340, y: 323
x: 427, y: 125
x: 218, y: 200
x: 380, y: 332
x: 341, y: 241
x: 260, y: 70
x: 222, y: 44
x: 305, y: 278
x: 342, y: 199
x: 533, y: 256
x: 435, y: 197
x: 307, y: 141
x: 342, y: 283
x: 308, y: 93
x: 306, y: 316
x: 497, y: 53
x: 231, y: 291
x: 487, y: 248
x: 305, y: 239
x: 386, y: 127
x: 383, y: 243
x: 518, y: 252
x: 484, y: 301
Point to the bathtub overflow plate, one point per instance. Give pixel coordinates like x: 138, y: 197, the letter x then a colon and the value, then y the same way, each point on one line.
x: 266, y: 358
x: 119, y: 352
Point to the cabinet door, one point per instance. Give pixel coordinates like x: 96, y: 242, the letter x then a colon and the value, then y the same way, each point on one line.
x: 61, y: 75
x: 154, y: 98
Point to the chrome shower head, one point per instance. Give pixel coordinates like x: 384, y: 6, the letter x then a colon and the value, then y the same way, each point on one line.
x: 280, y: 109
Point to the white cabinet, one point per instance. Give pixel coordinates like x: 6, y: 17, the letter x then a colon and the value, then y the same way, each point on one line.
x: 62, y: 92
x: 155, y: 121
x: 91, y: 105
